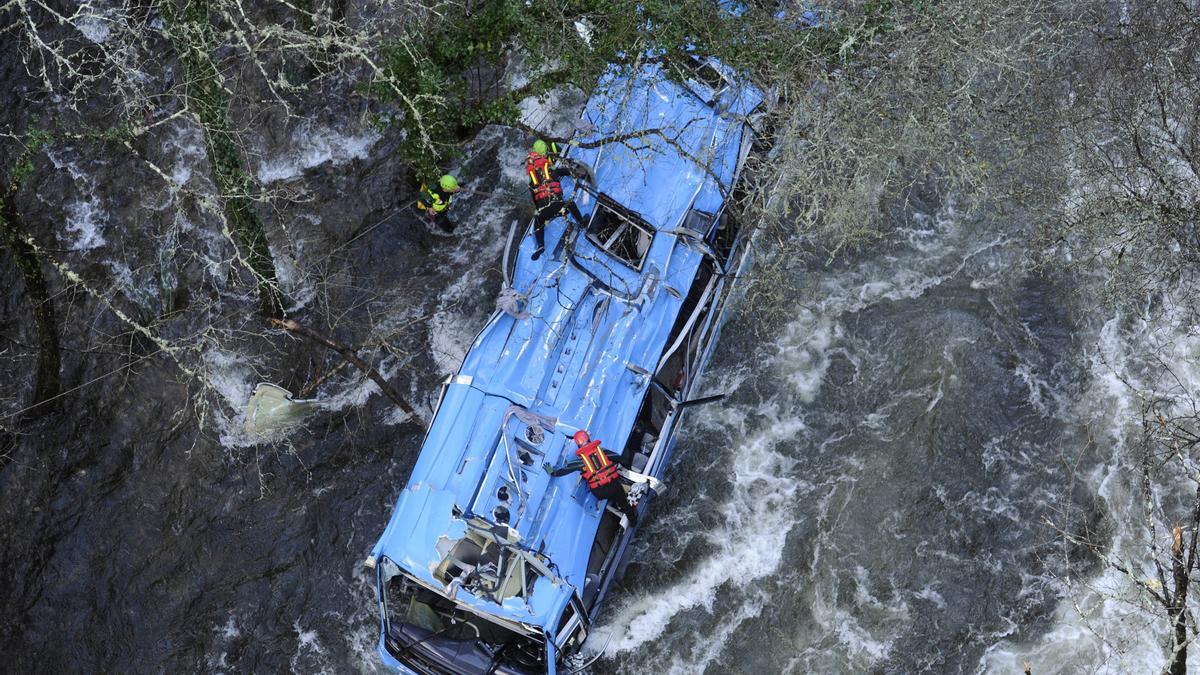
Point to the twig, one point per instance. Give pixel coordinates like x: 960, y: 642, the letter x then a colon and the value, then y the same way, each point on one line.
x: 348, y: 354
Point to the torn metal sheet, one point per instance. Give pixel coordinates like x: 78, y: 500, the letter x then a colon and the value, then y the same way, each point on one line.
x: 272, y: 409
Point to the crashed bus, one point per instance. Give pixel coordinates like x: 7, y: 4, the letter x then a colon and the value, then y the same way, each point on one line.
x: 495, y: 560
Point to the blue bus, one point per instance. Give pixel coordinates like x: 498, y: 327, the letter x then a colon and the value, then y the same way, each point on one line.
x: 496, y: 559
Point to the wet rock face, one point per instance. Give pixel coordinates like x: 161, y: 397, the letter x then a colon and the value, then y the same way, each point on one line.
x: 153, y: 536
x: 143, y: 547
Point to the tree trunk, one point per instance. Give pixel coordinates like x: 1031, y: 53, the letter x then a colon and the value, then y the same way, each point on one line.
x: 48, y: 382
x: 1178, y: 607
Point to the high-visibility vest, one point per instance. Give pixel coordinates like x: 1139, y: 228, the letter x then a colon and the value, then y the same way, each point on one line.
x: 542, y: 183
x: 597, y: 470
x: 430, y: 199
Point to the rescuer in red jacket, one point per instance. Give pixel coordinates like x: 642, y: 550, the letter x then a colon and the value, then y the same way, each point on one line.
x: 547, y: 192
x: 601, y: 475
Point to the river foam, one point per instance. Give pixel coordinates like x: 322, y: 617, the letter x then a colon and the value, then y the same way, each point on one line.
x: 838, y: 507
x: 1105, y: 622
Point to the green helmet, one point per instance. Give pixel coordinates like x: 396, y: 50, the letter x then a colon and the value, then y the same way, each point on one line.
x: 448, y: 182
x: 540, y: 147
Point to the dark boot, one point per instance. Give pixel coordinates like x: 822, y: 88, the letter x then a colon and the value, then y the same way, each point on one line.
x: 616, y: 495
x: 539, y: 235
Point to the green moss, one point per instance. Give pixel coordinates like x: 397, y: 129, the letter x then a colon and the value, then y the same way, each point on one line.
x: 21, y: 171
x: 35, y: 141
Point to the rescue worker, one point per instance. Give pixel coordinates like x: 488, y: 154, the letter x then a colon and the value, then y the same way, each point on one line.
x: 601, y: 475
x: 547, y: 192
x: 434, y: 201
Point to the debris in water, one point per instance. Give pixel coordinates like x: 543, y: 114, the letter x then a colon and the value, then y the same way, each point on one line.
x: 272, y: 408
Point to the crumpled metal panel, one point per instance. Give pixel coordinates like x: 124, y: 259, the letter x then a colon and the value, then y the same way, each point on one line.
x: 677, y: 147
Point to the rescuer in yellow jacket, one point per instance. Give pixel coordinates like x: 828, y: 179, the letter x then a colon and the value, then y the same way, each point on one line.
x: 547, y: 192
x: 434, y: 201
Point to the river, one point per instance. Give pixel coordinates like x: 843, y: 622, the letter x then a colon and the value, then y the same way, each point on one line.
x: 875, y: 494
x: 908, y: 428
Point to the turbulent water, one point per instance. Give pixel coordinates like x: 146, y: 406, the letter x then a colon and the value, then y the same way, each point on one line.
x: 906, y: 432
x: 886, y: 487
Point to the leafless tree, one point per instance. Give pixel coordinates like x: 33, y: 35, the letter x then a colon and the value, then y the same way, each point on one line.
x: 1122, y: 209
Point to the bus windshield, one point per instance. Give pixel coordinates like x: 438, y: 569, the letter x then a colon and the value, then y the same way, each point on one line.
x: 431, y: 633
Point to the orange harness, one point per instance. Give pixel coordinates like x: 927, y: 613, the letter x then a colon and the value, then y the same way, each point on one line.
x: 542, y: 184
x: 597, y: 469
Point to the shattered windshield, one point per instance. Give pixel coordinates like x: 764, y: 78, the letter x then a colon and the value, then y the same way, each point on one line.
x: 427, y: 626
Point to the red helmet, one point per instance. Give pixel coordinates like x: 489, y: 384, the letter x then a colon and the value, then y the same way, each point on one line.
x: 581, y: 438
